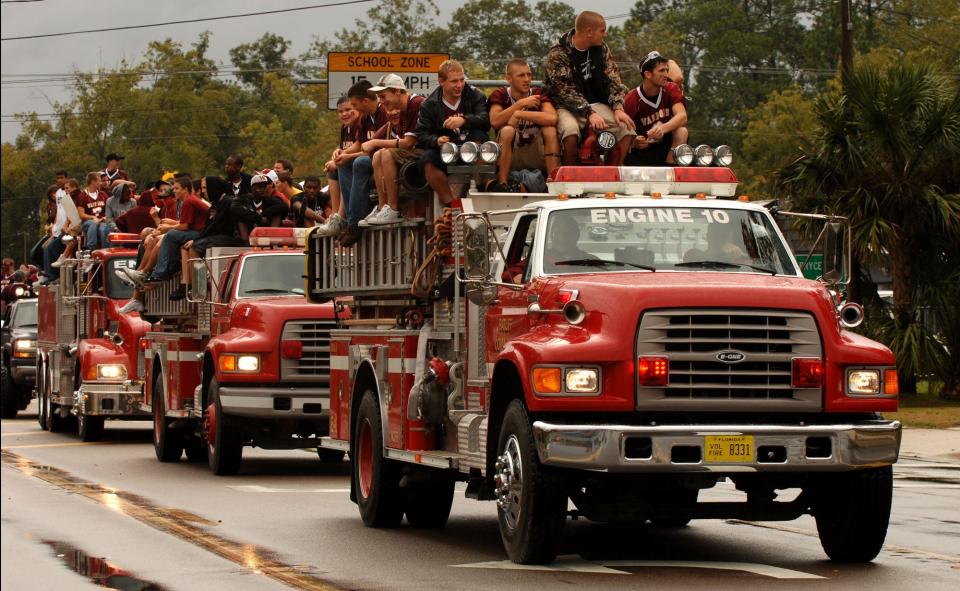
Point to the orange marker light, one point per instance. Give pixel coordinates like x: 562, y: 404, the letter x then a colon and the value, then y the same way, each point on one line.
x: 701, y: 195
x: 891, y: 385
x: 546, y: 380
x: 228, y: 363
x: 562, y: 197
x: 744, y: 198
x: 656, y: 195
x: 609, y: 195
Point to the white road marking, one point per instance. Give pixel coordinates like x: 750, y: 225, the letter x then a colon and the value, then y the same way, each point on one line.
x: 932, y: 485
x: 256, y: 488
x: 571, y: 563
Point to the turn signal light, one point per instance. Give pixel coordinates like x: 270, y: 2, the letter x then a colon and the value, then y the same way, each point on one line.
x: 653, y: 371
x: 891, y: 386
x: 807, y: 372
x: 546, y: 380
x: 291, y: 349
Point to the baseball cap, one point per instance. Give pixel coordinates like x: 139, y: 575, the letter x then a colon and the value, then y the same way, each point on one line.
x: 270, y: 174
x: 259, y: 178
x: 389, y: 81
x: 114, y: 156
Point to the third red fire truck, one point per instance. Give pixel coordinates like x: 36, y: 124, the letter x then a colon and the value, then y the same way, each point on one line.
x: 624, y: 343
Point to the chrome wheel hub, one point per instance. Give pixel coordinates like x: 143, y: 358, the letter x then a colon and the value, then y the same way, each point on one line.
x: 508, y: 482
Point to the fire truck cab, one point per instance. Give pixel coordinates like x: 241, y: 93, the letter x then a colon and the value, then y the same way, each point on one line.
x: 244, y: 361
x: 86, y: 349
x: 622, y: 343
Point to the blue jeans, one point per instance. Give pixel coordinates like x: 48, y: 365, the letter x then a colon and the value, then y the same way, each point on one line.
x: 92, y: 229
x: 356, y: 182
x: 105, y: 229
x: 51, y: 252
x: 168, y: 262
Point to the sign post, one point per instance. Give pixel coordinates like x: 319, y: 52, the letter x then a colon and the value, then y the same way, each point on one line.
x: 418, y: 70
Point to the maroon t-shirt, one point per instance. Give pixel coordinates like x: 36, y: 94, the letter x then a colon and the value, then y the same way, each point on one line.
x: 645, y: 110
x: 502, y: 97
x: 366, y: 126
x: 193, y: 213
x: 92, y: 204
x: 346, y: 136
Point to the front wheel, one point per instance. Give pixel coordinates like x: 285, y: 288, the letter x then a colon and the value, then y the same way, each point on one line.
x: 375, y: 478
x: 531, y: 505
x: 224, y: 445
x: 852, y: 512
x: 51, y: 412
x: 167, y: 442
x: 89, y: 428
x: 41, y: 396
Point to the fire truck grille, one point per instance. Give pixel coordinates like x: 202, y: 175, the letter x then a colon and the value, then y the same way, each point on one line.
x: 729, y: 359
x: 314, y: 364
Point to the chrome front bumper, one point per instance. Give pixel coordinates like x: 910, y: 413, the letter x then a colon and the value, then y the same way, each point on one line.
x: 264, y: 402
x: 111, y: 399
x: 604, y: 447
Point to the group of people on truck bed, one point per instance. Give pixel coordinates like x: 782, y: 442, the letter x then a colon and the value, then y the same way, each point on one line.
x: 383, y: 128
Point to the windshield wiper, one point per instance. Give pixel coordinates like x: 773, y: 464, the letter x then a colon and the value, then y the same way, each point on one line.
x: 268, y: 290
x: 724, y: 265
x: 603, y: 263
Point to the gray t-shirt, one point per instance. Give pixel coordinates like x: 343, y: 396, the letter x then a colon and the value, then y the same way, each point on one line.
x: 115, y: 208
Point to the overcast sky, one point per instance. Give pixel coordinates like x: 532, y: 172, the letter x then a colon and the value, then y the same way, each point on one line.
x: 60, y: 55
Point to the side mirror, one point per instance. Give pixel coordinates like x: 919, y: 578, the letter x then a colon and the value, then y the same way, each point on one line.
x: 476, y: 249
x: 834, y: 245
x: 482, y: 296
x: 199, y: 282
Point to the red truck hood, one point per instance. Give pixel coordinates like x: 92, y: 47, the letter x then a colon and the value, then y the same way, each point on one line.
x: 279, y: 309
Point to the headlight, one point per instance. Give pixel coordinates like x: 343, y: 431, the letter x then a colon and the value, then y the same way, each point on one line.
x: 583, y: 380
x: 723, y: 156
x: 448, y: 153
x: 24, y: 348
x: 703, y: 154
x: 863, y: 381
x: 246, y: 363
x: 469, y: 152
x: 111, y: 371
x: 683, y: 155
x: 489, y: 152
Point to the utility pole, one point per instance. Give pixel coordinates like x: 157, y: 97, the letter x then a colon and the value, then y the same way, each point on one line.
x: 846, y: 42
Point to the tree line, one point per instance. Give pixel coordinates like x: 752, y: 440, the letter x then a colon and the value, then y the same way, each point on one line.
x: 761, y: 76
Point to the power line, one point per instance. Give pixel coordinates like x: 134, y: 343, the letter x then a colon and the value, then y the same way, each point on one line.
x: 187, y: 21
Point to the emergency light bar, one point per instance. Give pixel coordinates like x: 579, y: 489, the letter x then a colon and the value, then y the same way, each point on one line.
x: 123, y: 238
x: 270, y: 236
x: 643, y: 180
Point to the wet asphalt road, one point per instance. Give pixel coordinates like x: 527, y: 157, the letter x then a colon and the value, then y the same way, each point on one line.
x: 286, y: 522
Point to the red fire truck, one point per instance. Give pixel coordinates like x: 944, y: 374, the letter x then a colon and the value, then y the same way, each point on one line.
x: 246, y: 362
x: 634, y: 337
x: 86, y: 349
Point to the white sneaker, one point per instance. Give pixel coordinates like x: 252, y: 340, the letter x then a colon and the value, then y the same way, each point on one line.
x: 370, y: 216
x: 135, y: 276
x: 339, y: 224
x: 386, y: 216
x: 134, y: 305
x: 59, y: 262
x: 330, y: 227
x: 123, y: 277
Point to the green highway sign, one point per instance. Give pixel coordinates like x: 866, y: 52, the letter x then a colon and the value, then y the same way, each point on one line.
x: 814, y: 268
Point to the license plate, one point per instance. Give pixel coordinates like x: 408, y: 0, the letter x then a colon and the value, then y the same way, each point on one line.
x: 728, y: 448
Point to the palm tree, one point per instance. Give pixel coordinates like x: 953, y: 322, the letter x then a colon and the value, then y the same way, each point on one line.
x: 885, y: 156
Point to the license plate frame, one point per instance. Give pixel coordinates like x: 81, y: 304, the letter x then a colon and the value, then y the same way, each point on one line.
x: 729, y: 449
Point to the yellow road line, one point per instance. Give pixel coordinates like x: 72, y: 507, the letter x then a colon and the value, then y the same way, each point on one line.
x: 38, y: 432
x: 62, y: 444
x: 179, y: 523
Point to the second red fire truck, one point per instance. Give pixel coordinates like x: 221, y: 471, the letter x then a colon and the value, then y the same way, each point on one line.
x: 624, y: 351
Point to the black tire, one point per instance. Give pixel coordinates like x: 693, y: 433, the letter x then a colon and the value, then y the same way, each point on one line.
x: 852, y: 512
x: 41, y: 395
x: 89, y: 428
x: 51, y: 411
x: 428, y: 504
x: 196, y: 450
x: 375, y: 478
x: 224, y: 444
x: 330, y: 456
x: 9, y: 395
x: 167, y: 442
x: 531, y: 504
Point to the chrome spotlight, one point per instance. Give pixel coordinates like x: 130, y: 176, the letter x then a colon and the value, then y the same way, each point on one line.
x: 469, y: 152
x: 489, y: 152
x: 606, y: 140
x: 449, y: 152
x: 703, y: 154
x: 723, y: 156
x: 683, y: 155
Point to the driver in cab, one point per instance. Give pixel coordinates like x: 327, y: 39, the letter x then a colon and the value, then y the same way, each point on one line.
x: 562, y: 252
x: 725, y: 243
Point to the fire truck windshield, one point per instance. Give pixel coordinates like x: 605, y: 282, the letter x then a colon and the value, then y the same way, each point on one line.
x: 271, y: 274
x: 116, y: 289
x: 663, y: 238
